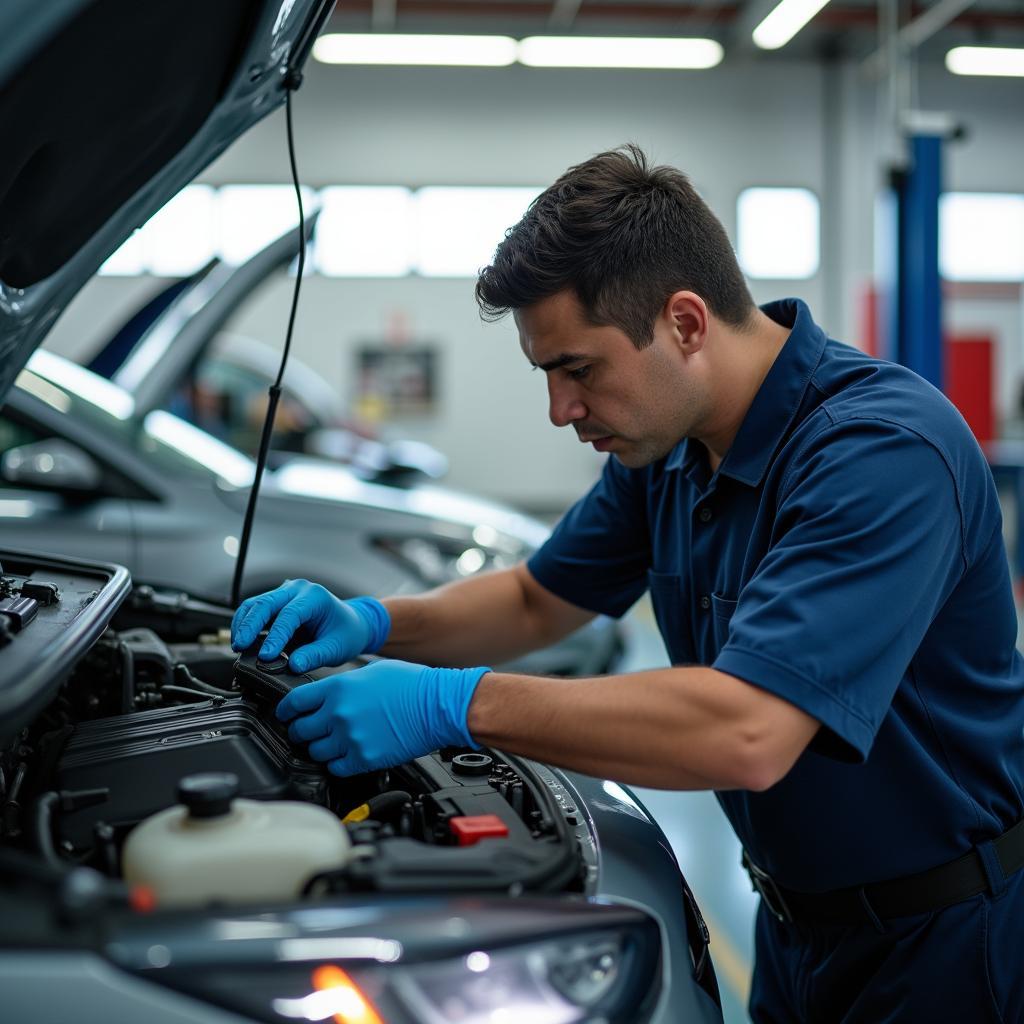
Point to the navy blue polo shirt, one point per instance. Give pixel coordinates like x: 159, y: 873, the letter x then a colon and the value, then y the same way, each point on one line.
x: 848, y: 557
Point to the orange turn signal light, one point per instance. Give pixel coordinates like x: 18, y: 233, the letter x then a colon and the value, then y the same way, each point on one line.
x: 351, y: 1006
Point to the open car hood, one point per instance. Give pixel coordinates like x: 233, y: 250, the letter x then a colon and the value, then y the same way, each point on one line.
x: 158, y: 362
x: 153, y: 352
x: 108, y: 108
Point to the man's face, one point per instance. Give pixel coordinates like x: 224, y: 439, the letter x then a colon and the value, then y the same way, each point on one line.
x: 635, y: 403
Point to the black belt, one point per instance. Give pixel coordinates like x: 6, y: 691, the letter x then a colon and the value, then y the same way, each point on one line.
x: 983, y: 868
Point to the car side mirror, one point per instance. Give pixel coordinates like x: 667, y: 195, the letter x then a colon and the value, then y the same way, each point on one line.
x: 51, y: 465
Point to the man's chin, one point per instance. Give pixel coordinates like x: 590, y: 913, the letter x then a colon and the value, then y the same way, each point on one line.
x: 636, y: 456
x: 631, y: 458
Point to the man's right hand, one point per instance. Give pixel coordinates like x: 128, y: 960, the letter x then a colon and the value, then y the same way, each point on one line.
x: 341, y: 629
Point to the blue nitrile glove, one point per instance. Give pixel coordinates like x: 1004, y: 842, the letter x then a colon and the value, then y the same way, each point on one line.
x: 341, y: 629
x: 381, y: 715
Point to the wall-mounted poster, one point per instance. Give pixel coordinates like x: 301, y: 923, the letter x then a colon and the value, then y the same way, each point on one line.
x: 396, y: 382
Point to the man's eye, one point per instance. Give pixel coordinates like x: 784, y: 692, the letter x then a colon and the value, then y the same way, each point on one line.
x: 579, y: 373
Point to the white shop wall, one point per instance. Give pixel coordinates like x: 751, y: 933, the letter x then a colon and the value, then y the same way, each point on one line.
x: 517, y: 126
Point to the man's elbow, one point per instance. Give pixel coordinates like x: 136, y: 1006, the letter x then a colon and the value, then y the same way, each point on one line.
x: 766, y: 754
x: 760, y: 770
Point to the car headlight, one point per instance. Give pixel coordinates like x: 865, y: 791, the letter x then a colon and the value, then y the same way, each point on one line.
x: 437, y: 560
x: 562, y: 982
x: 596, y: 975
x: 606, y: 977
x: 478, y: 962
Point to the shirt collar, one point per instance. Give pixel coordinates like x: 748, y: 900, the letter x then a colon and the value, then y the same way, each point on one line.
x: 774, y: 405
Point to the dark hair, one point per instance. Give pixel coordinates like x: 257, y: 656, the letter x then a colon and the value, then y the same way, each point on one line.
x: 624, y: 236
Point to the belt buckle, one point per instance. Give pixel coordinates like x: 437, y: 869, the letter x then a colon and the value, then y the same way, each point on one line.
x: 764, y: 884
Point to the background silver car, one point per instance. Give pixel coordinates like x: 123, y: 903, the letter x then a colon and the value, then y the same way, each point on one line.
x: 83, y: 473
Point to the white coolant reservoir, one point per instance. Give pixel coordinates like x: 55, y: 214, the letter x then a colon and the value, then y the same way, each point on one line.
x: 217, y: 847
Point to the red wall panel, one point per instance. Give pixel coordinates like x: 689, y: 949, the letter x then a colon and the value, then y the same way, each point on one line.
x: 969, y: 382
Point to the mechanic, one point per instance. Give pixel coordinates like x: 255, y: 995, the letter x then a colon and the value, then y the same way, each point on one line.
x: 821, y: 538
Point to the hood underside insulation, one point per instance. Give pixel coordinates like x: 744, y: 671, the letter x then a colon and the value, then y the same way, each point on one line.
x: 108, y: 101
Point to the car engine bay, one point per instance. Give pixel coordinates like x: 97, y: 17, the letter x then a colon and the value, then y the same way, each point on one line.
x: 158, y: 701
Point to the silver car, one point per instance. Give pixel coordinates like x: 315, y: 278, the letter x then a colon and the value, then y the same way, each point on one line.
x: 83, y: 473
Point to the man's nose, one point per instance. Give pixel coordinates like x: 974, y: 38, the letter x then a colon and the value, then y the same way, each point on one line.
x: 564, y: 407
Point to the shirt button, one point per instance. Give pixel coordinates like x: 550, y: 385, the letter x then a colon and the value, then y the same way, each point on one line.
x: 705, y: 515
x: 705, y: 602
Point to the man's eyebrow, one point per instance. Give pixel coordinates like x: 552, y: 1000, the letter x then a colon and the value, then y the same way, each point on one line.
x: 561, y: 360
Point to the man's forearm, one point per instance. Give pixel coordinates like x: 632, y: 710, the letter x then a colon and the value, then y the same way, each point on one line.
x: 487, y: 619
x: 678, y: 728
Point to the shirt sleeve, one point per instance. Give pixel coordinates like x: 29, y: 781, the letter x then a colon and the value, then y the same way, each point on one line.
x: 869, y: 545
x: 598, y: 555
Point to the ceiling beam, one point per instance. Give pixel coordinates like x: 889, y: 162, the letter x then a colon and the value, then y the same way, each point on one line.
x: 915, y: 32
x: 563, y: 13
x: 384, y: 15
x: 477, y: 14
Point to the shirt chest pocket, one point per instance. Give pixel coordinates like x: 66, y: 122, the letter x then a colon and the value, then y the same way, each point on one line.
x: 672, y: 611
x: 721, y: 614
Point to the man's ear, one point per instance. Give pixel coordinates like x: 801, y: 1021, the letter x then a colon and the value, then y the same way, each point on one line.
x: 688, y: 317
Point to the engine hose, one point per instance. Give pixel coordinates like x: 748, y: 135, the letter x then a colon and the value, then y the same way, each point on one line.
x: 379, y: 807
x: 42, y: 820
x: 127, y: 680
x: 198, y: 684
x: 12, y: 805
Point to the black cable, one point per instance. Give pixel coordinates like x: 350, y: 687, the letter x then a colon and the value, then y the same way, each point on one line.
x: 193, y: 681
x: 173, y: 688
x: 292, y: 81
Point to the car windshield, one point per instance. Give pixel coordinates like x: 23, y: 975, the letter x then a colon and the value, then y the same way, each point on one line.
x: 167, y: 442
x: 225, y: 394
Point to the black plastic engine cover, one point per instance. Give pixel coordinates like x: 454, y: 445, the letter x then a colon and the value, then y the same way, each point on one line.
x: 266, y: 682
x: 141, y: 757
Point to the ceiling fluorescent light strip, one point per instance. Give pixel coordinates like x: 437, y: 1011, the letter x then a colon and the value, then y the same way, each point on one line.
x: 535, y: 51
x: 785, y: 21
x: 611, y: 52
x: 450, y: 51
x: 986, y: 60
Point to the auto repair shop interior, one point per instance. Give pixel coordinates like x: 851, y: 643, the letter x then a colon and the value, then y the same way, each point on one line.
x: 864, y: 157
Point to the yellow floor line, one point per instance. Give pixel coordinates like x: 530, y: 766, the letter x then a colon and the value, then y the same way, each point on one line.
x: 729, y: 962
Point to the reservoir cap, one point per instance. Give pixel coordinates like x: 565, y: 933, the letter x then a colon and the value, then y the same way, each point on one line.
x: 208, y: 794
x: 273, y: 665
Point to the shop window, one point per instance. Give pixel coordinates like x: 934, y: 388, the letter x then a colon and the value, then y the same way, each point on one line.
x: 778, y: 233
x: 981, y: 236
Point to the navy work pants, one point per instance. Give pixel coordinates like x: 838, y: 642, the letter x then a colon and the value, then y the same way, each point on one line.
x: 964, y: 963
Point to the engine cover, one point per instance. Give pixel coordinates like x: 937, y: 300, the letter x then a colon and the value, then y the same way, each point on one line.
x: 141, y: 757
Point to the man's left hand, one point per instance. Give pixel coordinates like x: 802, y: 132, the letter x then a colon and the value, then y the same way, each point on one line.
x: 381, y: 715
